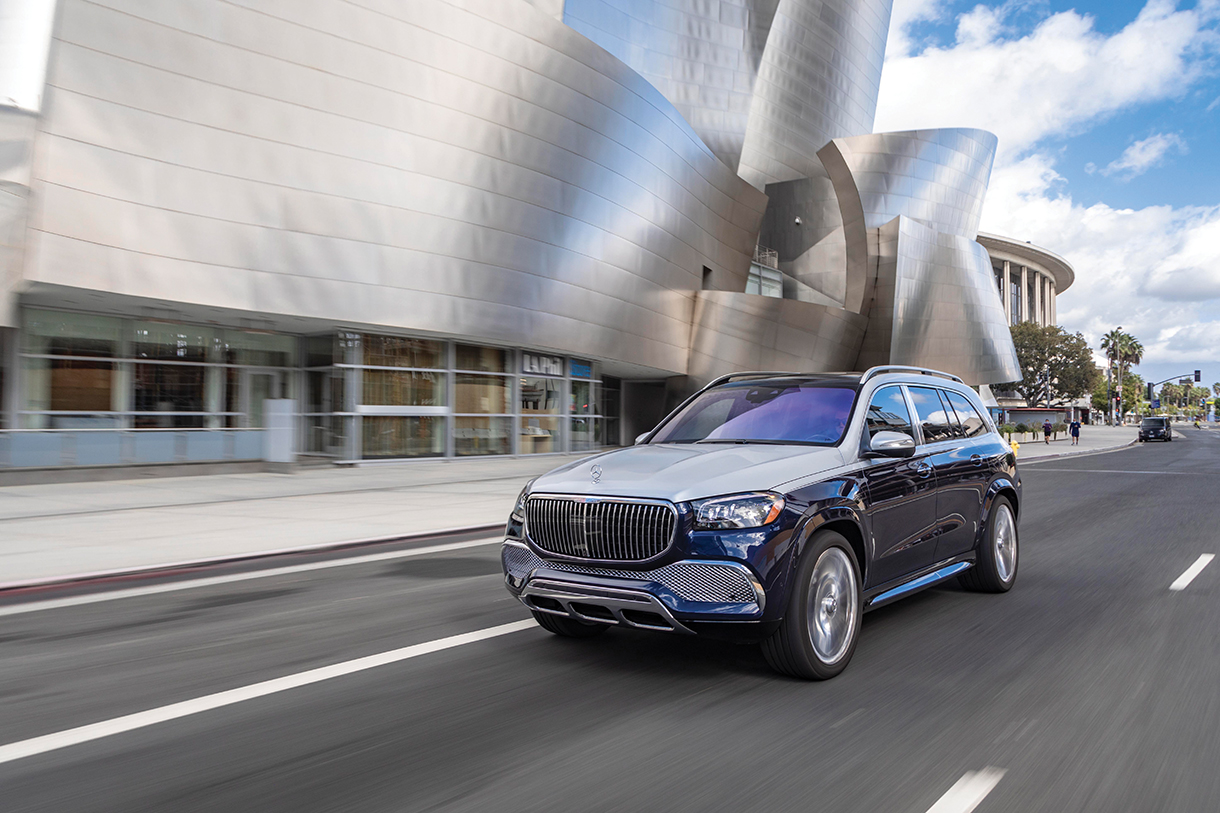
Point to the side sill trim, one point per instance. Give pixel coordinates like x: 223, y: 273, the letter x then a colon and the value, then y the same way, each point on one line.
x: 918, y: 584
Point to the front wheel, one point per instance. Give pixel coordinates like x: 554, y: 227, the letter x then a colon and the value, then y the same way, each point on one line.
x: 818, y: 635
x: 995, y: 570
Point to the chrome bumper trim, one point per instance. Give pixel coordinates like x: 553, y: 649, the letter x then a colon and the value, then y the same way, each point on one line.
x: 577, y: 599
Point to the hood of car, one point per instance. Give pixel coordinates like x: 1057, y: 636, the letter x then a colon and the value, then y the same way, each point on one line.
x: 681, y: 472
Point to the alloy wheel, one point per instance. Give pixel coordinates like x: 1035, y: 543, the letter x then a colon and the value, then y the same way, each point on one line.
x: 832, y: 605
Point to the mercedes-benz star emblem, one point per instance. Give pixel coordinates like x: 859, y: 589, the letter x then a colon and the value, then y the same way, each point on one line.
x: 596, y: 474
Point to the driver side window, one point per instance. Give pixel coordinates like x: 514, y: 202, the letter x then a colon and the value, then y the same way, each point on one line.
x: 887, y: 412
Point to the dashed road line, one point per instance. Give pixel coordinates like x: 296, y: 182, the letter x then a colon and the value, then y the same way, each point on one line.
x: 174, y: 711
x: 968, y: 791
x: 192, y: 584
x: 1181, y: 582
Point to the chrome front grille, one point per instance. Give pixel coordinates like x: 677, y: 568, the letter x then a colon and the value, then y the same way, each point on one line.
x: 709, y: 582
x: 594, y: 528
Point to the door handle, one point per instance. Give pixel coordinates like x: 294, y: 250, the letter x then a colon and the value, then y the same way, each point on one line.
x: 924, y: 469
x: 976, y: 459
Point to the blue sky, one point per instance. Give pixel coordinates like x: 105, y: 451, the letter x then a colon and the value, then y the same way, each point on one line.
x: 1108, y: 115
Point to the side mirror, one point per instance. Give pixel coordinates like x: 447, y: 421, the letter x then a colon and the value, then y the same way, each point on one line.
x: 891, y: 444
x: 640, y: 438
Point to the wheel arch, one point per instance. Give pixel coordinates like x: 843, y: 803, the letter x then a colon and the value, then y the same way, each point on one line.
x: 844, y: 521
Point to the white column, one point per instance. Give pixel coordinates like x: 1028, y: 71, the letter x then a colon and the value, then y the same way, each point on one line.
x: 1026, y: 313
x: 1054, y: 304
x: 1006, y: 292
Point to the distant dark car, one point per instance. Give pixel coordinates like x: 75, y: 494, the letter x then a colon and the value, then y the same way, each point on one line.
x: 774, y: 507
x: 1155, y: 429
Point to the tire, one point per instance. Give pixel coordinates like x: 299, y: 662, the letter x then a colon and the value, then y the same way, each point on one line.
x: 569, y: 627
x: 824, y: 606
x: 995, y: 570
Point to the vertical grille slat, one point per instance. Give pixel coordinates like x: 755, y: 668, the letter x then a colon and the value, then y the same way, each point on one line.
x: 610, y: 530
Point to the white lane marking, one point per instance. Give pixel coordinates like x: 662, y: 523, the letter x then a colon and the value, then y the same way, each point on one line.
x: 968, y: 791
x: 142, y: 719
x: 1122, y: 471
x: 1186, y: 578
x: 172, y: 587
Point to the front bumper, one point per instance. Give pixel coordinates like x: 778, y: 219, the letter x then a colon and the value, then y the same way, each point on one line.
x: 686, y: 590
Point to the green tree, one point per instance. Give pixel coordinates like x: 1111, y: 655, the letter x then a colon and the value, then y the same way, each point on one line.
x: 1133, y: 394
x: 1055, y: 361
x: 1123, y: 351
x: 1216, y: 389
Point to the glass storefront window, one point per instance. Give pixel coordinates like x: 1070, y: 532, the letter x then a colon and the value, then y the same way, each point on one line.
x: 582, y: 398
x: 162, y: 388
x: 585, y: 434
x: 167, y: 341
x: 481, y: 359
x: 539, y: 435
x: 475, y: 436
x: 71, y: 334
x: 481, y: 394
x: 541, y: 396
x: 390, y: 437
x: 257, y: 349
x: 391, y: 388
x: 396, y: 351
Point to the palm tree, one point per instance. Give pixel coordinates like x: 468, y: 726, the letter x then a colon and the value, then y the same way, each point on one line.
x: 1123, y: 351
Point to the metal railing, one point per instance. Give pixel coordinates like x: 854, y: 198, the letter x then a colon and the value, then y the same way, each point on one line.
x: 767, y: 257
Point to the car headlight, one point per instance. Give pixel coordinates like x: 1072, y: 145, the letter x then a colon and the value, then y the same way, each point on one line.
x: 518, y: 514
x: 738, y: 511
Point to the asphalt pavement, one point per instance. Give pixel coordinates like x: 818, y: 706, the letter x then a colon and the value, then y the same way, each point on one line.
x: 1092, y: 686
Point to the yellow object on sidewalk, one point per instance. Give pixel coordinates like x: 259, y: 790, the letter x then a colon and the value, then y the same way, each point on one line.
x: 1016, y: 448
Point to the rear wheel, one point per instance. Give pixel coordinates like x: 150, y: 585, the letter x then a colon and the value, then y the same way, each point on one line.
x: 995, y: 570
x: 568, y: 627
x: 818, y: 635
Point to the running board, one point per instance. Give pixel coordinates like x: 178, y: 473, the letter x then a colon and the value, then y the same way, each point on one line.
x: 918, y: 584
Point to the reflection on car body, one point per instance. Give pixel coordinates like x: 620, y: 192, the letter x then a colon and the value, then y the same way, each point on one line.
x: 775, y: 507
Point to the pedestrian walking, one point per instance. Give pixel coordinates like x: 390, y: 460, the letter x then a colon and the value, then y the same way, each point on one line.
x: 1046, y: 430
x: 1074, y: 429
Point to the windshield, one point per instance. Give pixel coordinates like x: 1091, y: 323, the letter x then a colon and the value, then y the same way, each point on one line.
x: 1154, y: 423
x: 763, y: 412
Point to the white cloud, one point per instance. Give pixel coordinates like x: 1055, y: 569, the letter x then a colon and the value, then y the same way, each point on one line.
x: 1054, y: 80
x: 1155, y: 270
x: 1144, y: 155
x: 905, y: 14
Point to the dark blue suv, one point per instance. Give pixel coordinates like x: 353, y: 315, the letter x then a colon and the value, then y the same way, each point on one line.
x: 775, y: 507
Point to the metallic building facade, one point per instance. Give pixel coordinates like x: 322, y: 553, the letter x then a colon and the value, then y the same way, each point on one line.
x: 583, y: 179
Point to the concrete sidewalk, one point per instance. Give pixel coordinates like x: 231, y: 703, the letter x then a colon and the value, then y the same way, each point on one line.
x: 61, y: 531
x: 67, y: 530
x: 1092, y: 439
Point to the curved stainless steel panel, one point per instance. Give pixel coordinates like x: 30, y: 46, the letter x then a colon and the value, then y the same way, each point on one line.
x: 734, y: 332
x: 819, y: 77
x: 935, y: 305
x: 937, y: 176
x: 765, y: 83
x: 459, y: 167
x: 703, y: 56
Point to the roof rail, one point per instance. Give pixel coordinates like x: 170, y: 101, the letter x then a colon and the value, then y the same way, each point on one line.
x: 898, y: 368
x: 722, y: 379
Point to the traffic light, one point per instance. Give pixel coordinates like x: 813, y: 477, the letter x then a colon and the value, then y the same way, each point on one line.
x: 1198, y: 377
x: 1150, y: 398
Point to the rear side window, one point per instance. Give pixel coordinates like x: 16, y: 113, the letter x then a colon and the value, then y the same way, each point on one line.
x: 888, y: 412
x: 972, y: 423
x: 935, y: 419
